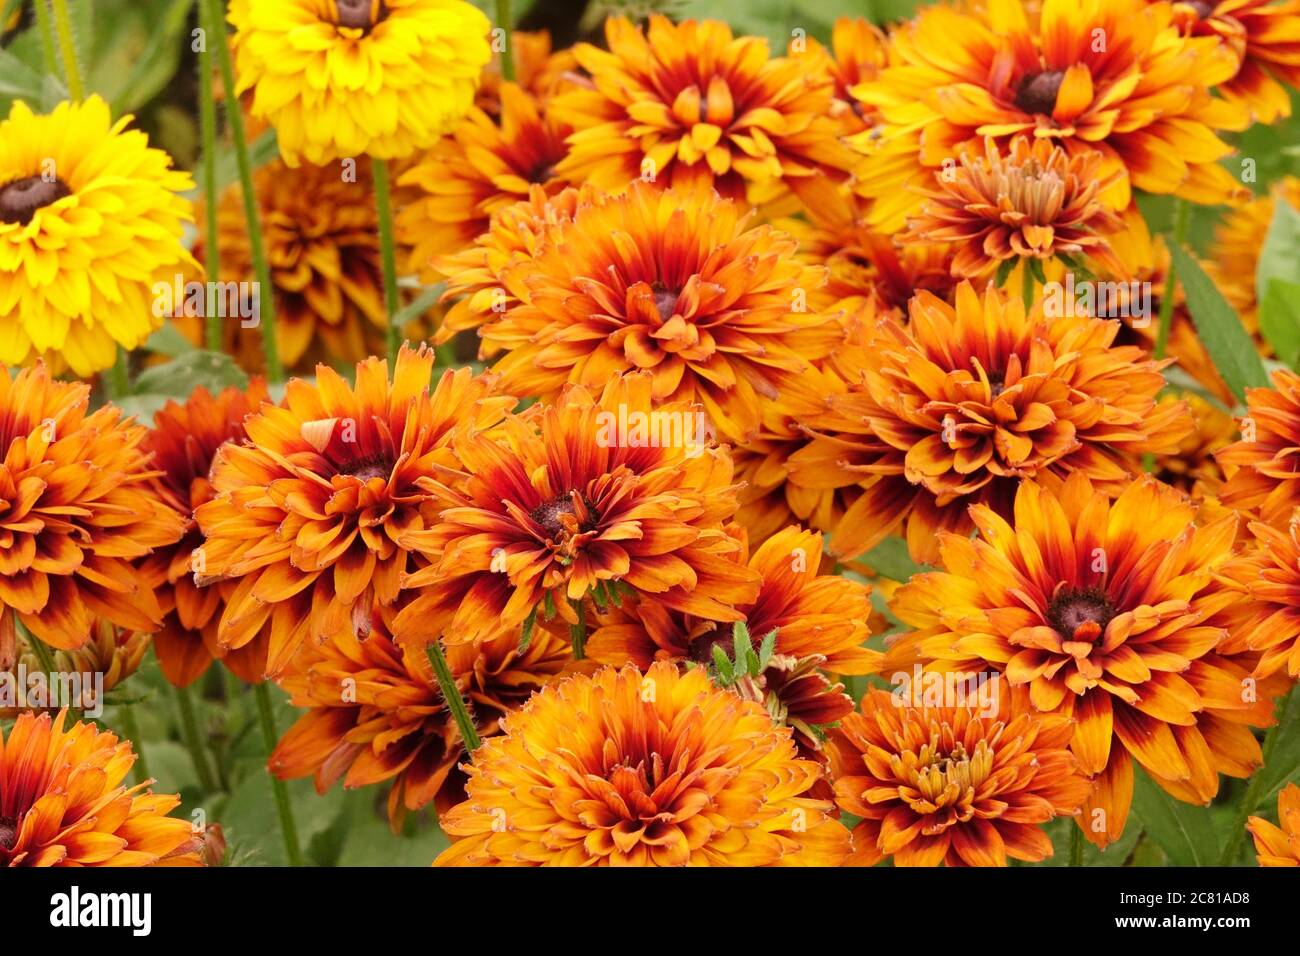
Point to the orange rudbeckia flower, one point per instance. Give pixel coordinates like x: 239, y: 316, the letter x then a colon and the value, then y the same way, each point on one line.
x: 1115, y: 76
x: 1279, y: 846
x: 629, y: 769
x: 1107, y: 612
x: 77, y: 507
x: 310, y: 511
x: 955, y: 785
x: 569, y: 500
x: 62, y: 802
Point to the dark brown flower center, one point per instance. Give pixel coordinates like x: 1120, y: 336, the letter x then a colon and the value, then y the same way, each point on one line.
x: 360, y: 14
x: 8, y: 833
x: 542, y: 173
x: 1037, y: 91
x: 368, y: 468
x: 665, y: 300
x: 560, y: 515
x: 1203, y: 9
x: 20, y: 199
x: 1080, y: 612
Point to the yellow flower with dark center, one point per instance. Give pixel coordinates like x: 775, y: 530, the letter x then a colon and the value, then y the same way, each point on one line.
x: 674, y: 283
x: 1035, y: 202
x: 309, y: 512
x: 375, y: 713
x: 344, y: 78
x: 691, y: 105
x: 1264, y: 479
x: 91, y: 218
x: 953, y: 785
x: 486, y: 165
x: 1109, y: 613
x: 1142, y: 98
x: 184, y: 441
x: 590, y: 492
x: 631, y: 769
x: 62, y: 802
x: 320, y: 234
x: 1265, y: 37
x: 1279, y: 846
x: 965, y: 402
x: 77, y: 507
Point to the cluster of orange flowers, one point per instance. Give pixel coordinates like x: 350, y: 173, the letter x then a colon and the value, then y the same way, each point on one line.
x: 742, y: 318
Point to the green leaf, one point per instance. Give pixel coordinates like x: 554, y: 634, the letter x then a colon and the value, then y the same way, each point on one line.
x: 1185, y: 832
x: 767, y: 650
x: 1279, y: 318
x: 1283, y: 764
x: 725, y: 673
x: 135, y: 51
x: 891, y: 559
x: 421, y: 304
x: 1220, y: 329
x: 741, y: 647
x: 169, y: 341
x: 373, y: 844
x: 526, y: 636
x: 179, y: 377
x: 18, y: 81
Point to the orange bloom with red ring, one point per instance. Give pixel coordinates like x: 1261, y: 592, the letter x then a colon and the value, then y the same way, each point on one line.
x: 1142, y: 99
x: 1279, y: 846
x: 1035, y: 202
x: 1264, y: 465
x: 1106, y: 612
x: 629, y: 769
x: 952, y: 785
x: 62, y: 802
x: 309, y: 512
x: 966, y: 401
x: 77, y: 507
x: 484, y: 166
x: 184, y: 441
x: 674, y: 283
x: 375, y: 714
x: 560, y: 502
x: 690, y: 105
x: 1265, y: 37
x: 1266, y: 578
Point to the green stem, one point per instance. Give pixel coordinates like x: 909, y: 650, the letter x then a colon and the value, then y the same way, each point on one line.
x: 119, y: 376
x: 1027, y: 284
x: 451, y: 694
x: 1076, y: 845
x: 68, y: 49
x: 1181, y: 213
x: 578, y: 632
x: 208, y: 127
x: 235, y: 117
x: 46, y: 26
x: 194, y: 740
x: 387, y: 251
x: 505, y: 21
x: 132, y: 730
x: 287, y: 828
x: 1249, y: 803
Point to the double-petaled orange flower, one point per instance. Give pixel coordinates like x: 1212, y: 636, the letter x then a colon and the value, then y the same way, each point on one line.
x: 62, y: 802
x: 1107, y: 612
x: 184, y: 441
x: 1266, y: 578
x: 568, y: 500
x: 959, y: 785
x: 689, y: 105
x: 859, y: 50
x: 319, y: 226
x: 309, y: 513
x: 1035, y: 202
x: 487, y: 164
x: 965, y: 401
x: 77, y: 507
x: 631, y: 769
x: 375, y: 713
x: 1265, y: 462
x: 675, y: 283
x: 1279, y: 846
x: 1264, y: 35
x: 1115, y: 76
